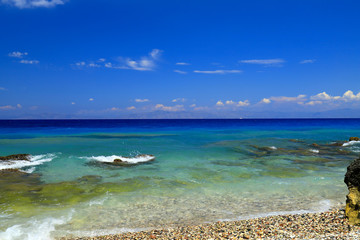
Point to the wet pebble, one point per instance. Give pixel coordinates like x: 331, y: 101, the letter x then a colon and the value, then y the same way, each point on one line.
x: 326, y: 225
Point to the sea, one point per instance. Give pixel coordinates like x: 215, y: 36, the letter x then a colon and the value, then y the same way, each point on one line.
x: 171, y: 172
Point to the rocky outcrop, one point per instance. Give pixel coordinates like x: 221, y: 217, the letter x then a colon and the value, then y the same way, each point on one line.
x: 354, y: 139
x: 141, y: 158
x: 352, y: 180
x: 17, y: 157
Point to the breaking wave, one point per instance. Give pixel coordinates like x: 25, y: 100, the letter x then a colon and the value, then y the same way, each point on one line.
x: 350, y: 143
x: 34, y: 229
x: 130, y: 160
x: 34, y: 161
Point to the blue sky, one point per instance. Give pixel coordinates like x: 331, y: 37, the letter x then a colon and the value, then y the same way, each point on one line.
x: 155, y: 59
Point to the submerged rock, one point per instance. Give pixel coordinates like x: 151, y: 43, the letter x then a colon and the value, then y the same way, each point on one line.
x: 21, y: 156
x: 89, y: 179
x: 11, y: 170
x: 352, y: 180
x: 296, y: 140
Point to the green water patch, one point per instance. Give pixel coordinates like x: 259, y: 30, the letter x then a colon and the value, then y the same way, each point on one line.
x: 228, y: 163
x: 27, y: 195
x: 116, y: 166
x: 284, y: 172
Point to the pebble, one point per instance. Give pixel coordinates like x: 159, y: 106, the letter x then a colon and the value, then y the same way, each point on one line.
x: 325, y: 225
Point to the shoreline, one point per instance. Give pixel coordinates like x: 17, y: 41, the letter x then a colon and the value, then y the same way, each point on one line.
x: 323, y: 225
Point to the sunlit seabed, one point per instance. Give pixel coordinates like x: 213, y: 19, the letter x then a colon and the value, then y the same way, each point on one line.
x: 199, y: 175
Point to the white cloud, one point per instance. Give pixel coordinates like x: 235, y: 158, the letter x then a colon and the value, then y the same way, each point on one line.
x: 321, y: 96
x: 300, y: 98
x: 267, y: 62
x: 108, y: 65
x: 307, y: 61
x: 193, y: 105
x: 33, y: 3
x: 182, y: 63
x: 17, y: 54
x: 93, y: 65
x: 312, y: 103
x: 218, y: 71
x: 243, y: 103
x: 115, y: 109
x: 179, y: 71
x: 29, y: 61
x: 219, y: 103
x: 21, y: 55
x: 145, y: 63
x: 91, y: 99
x: 2, y: 89
x: 237, y: 104
x: 73, y: 103
x: 141, y: 100
x: 142, y: 65
x: 169, y: 108
x: 7, y: 107
x: 131, y: 108
x: 155, y: 53
x: 179, y: 100
x: 80, y: 64
x: 265, y: 100
x: 347, y: 97
x: 229, y: 102
x: 10, y: 107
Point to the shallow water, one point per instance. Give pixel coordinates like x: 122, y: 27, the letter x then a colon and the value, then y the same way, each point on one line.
x: 205, y: 170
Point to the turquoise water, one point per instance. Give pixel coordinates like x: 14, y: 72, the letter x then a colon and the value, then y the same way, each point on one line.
x: 204, y: 171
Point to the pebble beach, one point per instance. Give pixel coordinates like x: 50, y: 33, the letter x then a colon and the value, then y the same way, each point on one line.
x: 324, y: 225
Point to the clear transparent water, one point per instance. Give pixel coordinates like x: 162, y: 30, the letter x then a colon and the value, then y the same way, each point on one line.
x: 205, y: 170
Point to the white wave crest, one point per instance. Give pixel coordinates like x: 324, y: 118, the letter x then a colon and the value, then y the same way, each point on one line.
x: 350, y: 143
x: 130, y: 160
x: 273, y: 147
x: 30, y: 170
x: 314, y: 150
x: 34, y: 161
x: 33, y: 229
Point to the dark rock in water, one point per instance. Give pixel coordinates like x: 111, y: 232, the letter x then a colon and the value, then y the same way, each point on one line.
x: 117, y: 160
x: 12, y: 170
x: 354, y: 139
x: 125, y: 161
x: 90, y: 179
x: 315, y: 145
x: 352, y: 180
x: 25, y: 157
x: 337, y: 144
x: 296, y: 140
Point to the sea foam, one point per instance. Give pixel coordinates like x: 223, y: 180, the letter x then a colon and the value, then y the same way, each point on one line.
x: 34, y: 229
x: 34, y: 161
x: 350, y: 143
x: 130, y: 160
